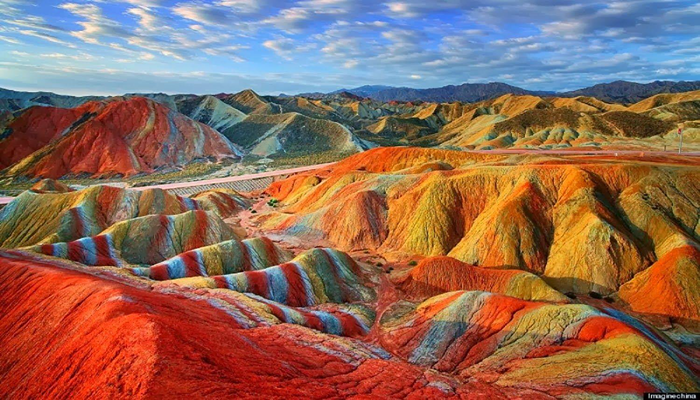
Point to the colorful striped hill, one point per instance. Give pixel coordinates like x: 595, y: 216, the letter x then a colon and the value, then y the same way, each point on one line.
x: 315, y: 276
x: 221, y: 258
x: 556, y: 349
x: 145, y: 240
x: 439, y: 274
x: 51, y: 217
x: 584, y: 224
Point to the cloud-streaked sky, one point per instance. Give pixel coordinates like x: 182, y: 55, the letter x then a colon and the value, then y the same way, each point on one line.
x: 273, y: 46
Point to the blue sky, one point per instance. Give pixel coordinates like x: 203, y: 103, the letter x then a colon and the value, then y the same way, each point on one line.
x: 273, y: 46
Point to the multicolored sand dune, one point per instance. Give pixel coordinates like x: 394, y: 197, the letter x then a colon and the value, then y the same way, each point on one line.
x: 396, y: 273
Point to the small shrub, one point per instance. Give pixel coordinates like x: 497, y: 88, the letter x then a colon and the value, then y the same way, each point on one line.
x: 413, y: 263
x: 254, y: 212
x: 595, y: 295
x: 609, y: 299
x: 272, y: 202
x: 570, y: 295
x: 379, y: 264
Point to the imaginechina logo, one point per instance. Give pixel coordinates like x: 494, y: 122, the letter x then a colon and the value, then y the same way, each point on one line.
x: 671, y: 396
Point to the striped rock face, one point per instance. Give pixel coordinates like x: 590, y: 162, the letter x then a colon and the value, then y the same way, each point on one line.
x: 96, y: 251
x: 436, y: 275
x: 120, y: 136
x: 145, y: 240
x: 582, y: 226
x: 218, y: 259
x: 315, y: 276
x: 456, y: 284
x: 169, y: 333
x: 38, y: 126
x: 553, y: 348
x: 34, y: 218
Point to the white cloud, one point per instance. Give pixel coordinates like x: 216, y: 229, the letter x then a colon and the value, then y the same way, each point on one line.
x: 45, y: 36
x: 34, y: 22
x: 9, y: 40
x: 545, y: 42
x: 95, y: 25
x: 287, y: 48
x: 204, y: 13
x: 148, y: 20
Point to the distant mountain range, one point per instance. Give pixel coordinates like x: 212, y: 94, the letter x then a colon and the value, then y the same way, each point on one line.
x: 632, y: 92
x: 613, y: 92
x: 618, y: 91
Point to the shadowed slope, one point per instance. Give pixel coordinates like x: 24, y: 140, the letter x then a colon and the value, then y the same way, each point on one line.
x: 292, y: 134
x: 210, y: 111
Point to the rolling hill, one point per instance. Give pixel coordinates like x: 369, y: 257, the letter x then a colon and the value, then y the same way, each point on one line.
x: 120, y: 136
x: 292, y: 134
x: 396, y: 272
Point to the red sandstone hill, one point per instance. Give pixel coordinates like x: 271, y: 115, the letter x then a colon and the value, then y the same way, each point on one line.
x: 584, y: 225
x: 37, y: 127
x: 118, y: 293
x: 120, y: 136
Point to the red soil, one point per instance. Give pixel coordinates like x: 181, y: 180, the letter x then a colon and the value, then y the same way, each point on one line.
x: 37, y: 127
x: 436, y: 275
x: 125, y: 137
x: 67, y: 333
x: 668, y: 287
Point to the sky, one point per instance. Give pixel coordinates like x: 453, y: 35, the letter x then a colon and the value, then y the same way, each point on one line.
x: 189, y: 46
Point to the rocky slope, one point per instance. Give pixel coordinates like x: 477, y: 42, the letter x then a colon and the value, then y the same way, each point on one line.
x: 292, y: 134
x: 584, y: 227
x: 167, y: 132
x: 122, y: 136
x: 343, y: 290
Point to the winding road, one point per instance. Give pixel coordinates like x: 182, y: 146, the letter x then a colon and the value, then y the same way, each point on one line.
x: 215, y: 181
x: 289, y: 171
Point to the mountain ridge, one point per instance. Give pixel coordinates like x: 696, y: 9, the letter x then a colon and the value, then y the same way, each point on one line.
x: 617, y: 91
